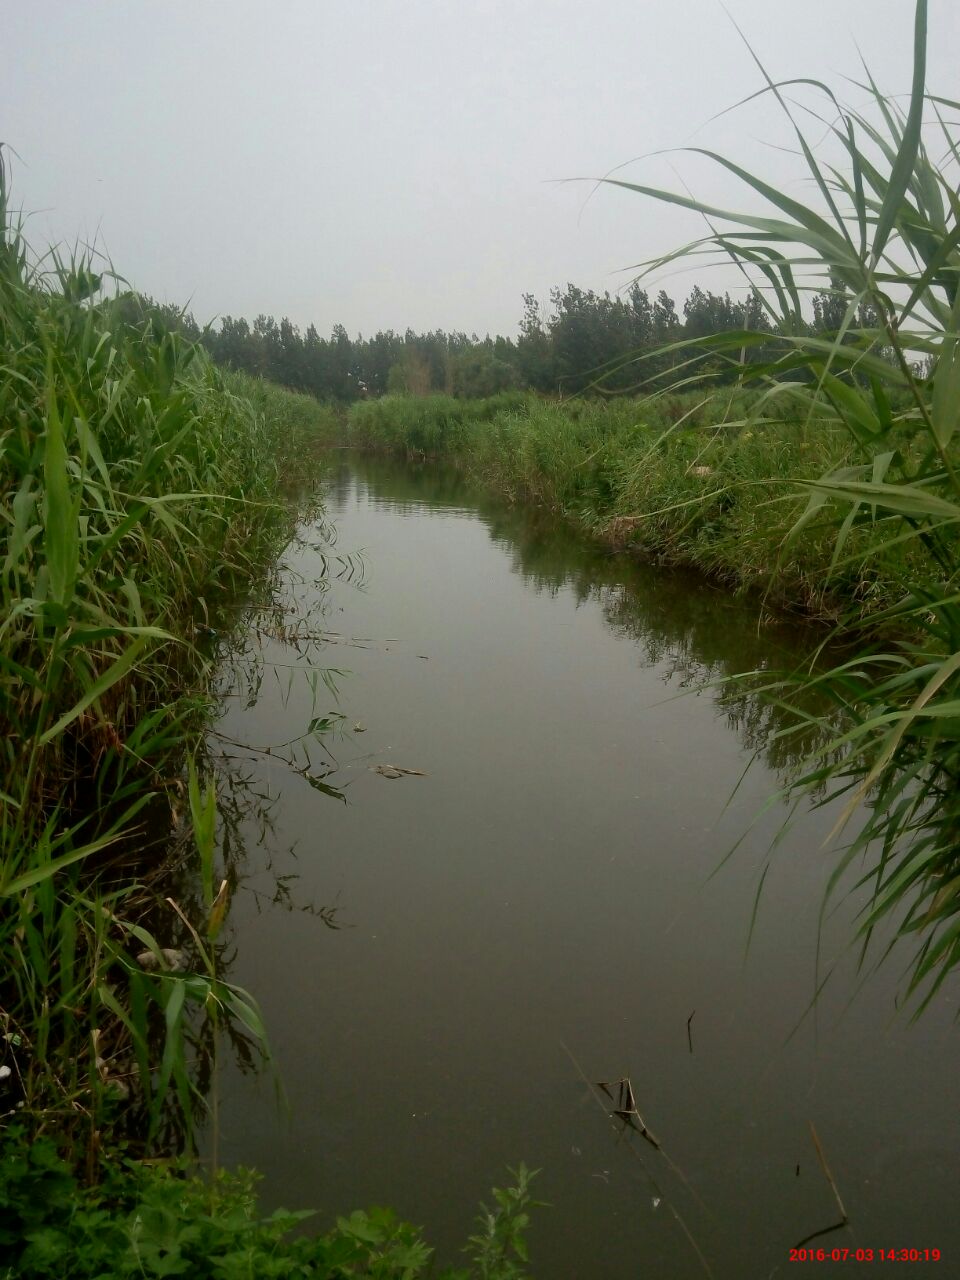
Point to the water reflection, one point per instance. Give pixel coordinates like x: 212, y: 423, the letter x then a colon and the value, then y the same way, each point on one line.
x: 696, y: 632
x: 547, y: 883
x: 279, y: 641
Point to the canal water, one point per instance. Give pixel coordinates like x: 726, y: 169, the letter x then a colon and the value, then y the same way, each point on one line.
x: 448, y: 960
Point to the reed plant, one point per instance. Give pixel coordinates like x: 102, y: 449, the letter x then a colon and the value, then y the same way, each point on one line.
x: 423, y: 426
x: 882, y: 232
x: 137, y: 485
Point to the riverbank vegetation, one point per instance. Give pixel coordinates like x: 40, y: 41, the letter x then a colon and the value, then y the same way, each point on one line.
x: 145, y: 497
x: 141, y: 1220
x: 687, y: 477
x: 816, y: 458
x: 140, y: 487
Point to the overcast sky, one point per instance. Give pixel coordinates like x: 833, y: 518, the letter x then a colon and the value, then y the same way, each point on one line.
x: 385, y: 163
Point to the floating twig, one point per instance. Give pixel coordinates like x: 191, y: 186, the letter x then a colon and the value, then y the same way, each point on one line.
x: 689, y: 1033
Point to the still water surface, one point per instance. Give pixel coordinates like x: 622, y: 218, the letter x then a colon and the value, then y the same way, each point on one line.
x: 544, y: 894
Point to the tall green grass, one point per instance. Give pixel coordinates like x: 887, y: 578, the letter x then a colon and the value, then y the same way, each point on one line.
x: 424, y: 426
x: 137, y: 484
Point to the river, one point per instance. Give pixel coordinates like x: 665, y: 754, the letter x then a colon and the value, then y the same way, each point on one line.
x: 542, y: 906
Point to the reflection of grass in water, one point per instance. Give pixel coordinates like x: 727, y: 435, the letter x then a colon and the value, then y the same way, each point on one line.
x: 683, y: 623
x: 702, y: 643
x: 689, y: 626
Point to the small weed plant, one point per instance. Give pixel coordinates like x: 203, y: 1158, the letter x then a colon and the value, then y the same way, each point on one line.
x: 152, y: 1221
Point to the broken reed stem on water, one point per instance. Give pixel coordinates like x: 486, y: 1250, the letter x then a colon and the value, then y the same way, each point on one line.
x: 626, y: 1108
x: 827, y: 1174
x: 658, y: 1190
x: 844, y: 1217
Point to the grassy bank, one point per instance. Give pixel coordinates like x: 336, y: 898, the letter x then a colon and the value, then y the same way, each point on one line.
x: 698, y: 478
x: 140, y: 487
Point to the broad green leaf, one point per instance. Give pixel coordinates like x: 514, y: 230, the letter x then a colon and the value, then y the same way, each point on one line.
x: 46, y: 870
x: 945, y: 404
x: 905, y: 499
x: 910, y: 142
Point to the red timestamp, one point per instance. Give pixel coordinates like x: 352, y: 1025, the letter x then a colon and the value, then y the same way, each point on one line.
x: 842, y: 1253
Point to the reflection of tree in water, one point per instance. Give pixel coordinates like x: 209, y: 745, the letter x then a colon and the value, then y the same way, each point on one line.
x: 404, y: 487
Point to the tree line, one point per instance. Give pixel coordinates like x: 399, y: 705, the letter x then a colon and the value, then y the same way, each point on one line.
x: 584, y: 340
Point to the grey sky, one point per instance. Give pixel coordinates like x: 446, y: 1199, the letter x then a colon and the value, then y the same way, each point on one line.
x: 383, y: 164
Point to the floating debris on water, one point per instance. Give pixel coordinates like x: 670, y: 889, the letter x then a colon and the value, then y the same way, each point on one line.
x: 397, y: 771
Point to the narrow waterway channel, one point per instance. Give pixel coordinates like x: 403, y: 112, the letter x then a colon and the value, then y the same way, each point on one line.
x: 543, y: 895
